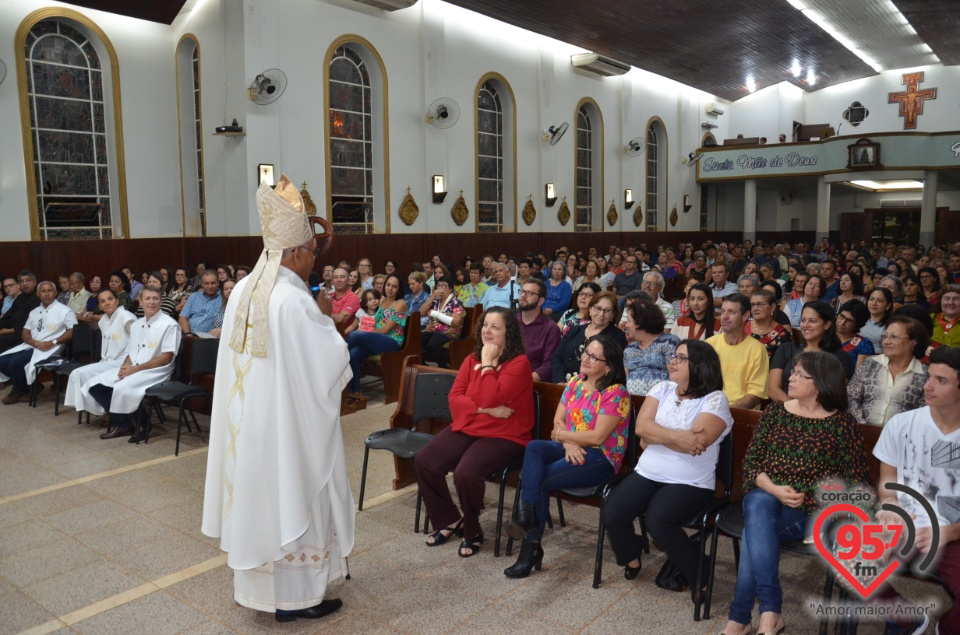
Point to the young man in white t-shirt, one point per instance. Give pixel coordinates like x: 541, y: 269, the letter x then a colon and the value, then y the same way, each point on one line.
x: 921, y: 449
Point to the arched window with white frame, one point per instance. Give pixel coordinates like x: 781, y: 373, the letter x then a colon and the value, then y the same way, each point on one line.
x: 588, y: 166
x: 191, y: 137
x: 496, y: 155
x: 655, y: 177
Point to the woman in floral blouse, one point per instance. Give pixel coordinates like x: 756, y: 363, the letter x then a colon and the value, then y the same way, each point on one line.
x: 650, y: 348
x: 588, y: 445
x: 446, y: 318
x: 391, y: 320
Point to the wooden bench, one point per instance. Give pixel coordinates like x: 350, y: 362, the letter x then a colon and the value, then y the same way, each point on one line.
x: 389, y: 366
x: 460, y: 349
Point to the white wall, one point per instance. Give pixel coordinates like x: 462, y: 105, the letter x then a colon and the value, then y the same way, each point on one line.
x: 430, y: 50
x: 148, y: 91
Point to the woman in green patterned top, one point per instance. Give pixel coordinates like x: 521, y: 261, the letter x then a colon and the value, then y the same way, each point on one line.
x: 796, y: 444
x: 391, y: 320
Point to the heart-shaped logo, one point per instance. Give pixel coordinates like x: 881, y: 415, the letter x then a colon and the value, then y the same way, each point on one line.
x: 855, y: 583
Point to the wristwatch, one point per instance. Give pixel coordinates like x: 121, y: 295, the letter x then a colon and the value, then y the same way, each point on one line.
x: 54, y: 341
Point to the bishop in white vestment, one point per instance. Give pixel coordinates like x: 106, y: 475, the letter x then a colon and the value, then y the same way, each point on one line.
x: 277, y: 493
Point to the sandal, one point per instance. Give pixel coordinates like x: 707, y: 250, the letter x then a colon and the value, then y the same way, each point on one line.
x: 437, y: 538
x: 472, y: 547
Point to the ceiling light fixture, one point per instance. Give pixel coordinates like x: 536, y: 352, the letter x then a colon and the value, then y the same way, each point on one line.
x: 888, y: 186
x: 815, y: 17
x: 795, y: 69
x: 811, y: 77
x: 751, y: 85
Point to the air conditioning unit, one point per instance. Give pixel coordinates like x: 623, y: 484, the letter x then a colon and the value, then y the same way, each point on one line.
x: 713, y: 108
x: 388, y: 5
x: 596, y: 63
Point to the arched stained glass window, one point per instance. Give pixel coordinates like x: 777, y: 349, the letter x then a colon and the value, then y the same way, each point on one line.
x: 351, y: 143
x: 489, y: 159
x: 68, y: 132
x: 653, y: 178
x: 585, y: 171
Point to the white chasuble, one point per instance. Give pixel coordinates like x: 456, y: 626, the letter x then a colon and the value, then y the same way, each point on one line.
x: 114, y: 335
x: 277, y: 493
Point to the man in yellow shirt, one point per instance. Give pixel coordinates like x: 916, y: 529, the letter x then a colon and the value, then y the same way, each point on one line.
x: 743, y: 360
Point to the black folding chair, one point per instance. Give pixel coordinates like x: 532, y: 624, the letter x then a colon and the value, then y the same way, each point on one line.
x: 430, y: 401
x: 177, y: 393
x: 85, y: 349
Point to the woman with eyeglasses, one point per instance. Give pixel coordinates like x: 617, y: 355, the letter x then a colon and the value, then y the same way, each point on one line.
x: 587, y: 446
x: 795, y: 445
x: 566, y: 357
x: 851, y: 317
x: 817, y: 333
x: 892, y: 382
x: 365, y: 273
x: 763, y: 327
x: 650, y: 348
x: 581, y: 313
x: 680, y: 426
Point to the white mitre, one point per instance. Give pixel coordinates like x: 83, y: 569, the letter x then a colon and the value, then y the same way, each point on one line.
x: 284, y: 224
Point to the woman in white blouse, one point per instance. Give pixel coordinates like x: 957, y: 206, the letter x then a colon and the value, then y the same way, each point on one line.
x: 114, y: 328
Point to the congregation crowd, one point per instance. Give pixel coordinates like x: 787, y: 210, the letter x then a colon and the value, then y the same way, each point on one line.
x: 821, y: 337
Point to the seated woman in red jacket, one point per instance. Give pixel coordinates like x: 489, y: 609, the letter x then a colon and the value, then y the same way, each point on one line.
x: 491, y: 403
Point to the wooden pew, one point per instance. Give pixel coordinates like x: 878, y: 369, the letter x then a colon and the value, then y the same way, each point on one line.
x: 389, y: 366
x: 461, y: 349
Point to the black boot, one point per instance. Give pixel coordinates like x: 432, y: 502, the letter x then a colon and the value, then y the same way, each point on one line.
x: 524, y: 520
x: 531, y: 555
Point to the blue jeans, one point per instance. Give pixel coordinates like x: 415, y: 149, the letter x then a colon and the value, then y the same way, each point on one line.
x: 766, y: 523
x: 14, y: 366
x: 363, y: 345
x: 545, y: 469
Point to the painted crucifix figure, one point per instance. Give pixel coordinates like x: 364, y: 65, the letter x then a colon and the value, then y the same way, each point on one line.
x: 911, y: 100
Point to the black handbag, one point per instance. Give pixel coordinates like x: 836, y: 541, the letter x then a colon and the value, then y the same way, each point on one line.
x: 670, y: 578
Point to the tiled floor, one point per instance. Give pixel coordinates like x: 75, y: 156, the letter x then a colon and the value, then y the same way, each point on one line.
x: 103, y: 537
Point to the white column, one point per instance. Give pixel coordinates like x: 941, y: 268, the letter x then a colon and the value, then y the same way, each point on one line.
x: 750, y: 210
x: 928, y: 209
x: 823, y: 208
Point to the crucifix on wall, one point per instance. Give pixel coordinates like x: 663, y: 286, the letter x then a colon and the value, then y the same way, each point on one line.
x: 911, y: 100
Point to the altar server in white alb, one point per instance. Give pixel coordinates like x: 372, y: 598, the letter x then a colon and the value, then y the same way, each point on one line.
x: 154, y: 340
x: 114, y: 331
x: 49, y: 327
x: 277, y: 493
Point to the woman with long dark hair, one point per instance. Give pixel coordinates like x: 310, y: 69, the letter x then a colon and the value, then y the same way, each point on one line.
x: 587, y: 446
x: 390, y: 320
x: 764, y: 327
x: 817, y: 333
x: 880, y: 306
x: 491, y: 404
x: 699, y: 322
x: 681, y: 423
x: 930, y: 284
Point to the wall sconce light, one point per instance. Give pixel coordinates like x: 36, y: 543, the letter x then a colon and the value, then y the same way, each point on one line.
x: 686, y: 203
x: 439, y: 189
x: 551, y: 194
x: 627, y: 198
x: 265, y: 173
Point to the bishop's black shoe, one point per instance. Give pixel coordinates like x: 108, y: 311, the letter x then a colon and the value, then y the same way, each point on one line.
x: 323, y: 609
